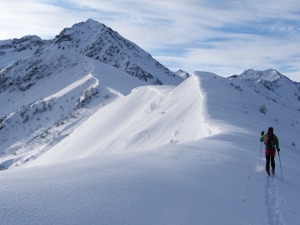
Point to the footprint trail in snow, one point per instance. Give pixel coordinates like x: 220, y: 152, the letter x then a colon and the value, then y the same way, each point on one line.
x: 274, y: 216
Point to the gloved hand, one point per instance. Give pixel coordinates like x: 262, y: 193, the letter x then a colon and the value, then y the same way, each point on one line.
x: 262, y: 133
x: 278, y: 150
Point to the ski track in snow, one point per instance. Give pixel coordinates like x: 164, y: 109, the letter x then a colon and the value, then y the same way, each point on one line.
x: 274, y: 216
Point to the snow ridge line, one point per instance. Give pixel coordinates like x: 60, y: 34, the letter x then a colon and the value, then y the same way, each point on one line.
x: 274, y: 216
x: 209, y: 128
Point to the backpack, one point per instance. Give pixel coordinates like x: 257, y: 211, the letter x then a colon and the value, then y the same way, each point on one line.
x: 270, y: 141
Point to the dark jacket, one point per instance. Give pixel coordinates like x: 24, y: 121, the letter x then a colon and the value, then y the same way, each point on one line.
x: 263, y: 139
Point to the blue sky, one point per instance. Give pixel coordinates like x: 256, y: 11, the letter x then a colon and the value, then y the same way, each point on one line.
x: 225, y: 37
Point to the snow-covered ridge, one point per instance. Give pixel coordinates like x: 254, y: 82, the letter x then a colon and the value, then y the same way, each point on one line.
x: 21, y: 44
x: 148, y: 117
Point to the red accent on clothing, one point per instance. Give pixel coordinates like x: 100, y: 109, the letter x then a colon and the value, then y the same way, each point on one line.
x: 270, y: 152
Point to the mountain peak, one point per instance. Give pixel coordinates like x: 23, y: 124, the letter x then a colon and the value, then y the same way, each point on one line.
x: 92, y: 22
x: 28, y: 42
x: 88, y: 24
x: 269, y: 75
x: 97, y: 41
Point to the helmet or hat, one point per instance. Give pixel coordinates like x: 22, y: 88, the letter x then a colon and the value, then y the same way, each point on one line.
x: 270, y: 130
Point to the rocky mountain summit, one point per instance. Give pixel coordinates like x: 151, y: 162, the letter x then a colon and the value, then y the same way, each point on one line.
x: 94, y: 40
x: 101, y: 43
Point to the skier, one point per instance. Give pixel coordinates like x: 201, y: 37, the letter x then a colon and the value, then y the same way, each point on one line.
x: 271, y: 141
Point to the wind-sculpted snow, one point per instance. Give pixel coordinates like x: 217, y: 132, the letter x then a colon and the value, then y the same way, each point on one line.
x: 148, y: 117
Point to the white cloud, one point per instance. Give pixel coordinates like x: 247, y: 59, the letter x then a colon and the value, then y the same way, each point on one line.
x: 19, y: 18
x: 233, y: 56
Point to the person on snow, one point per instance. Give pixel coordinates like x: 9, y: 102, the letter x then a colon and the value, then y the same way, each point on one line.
x: 271, y: 141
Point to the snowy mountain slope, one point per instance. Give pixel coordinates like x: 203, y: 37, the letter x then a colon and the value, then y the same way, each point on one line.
x: 212, y: 175
x: 47, y: 88
x: 16, y: 49
x: 164, y: 114
x: 148, y: 117
x: 55, y: 103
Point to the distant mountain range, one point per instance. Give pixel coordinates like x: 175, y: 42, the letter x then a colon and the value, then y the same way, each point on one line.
x: 274, y: 84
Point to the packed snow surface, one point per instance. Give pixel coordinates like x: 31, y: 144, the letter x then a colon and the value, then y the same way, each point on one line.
x: 186, y: 154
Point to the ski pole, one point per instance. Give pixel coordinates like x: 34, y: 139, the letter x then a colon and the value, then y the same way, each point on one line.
x: 260, y: 153
x: 280, y: 165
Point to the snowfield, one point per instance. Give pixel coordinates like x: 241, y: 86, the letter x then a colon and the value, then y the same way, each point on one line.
x: 186, y: 154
